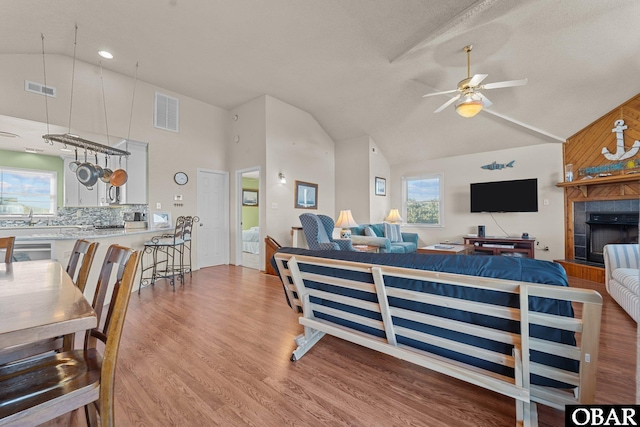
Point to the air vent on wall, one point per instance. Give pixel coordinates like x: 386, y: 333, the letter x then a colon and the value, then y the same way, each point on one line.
x: 166, y: 113
x: 39, y: 88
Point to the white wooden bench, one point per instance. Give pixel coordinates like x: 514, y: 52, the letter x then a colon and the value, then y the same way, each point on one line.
x: 300, y: 287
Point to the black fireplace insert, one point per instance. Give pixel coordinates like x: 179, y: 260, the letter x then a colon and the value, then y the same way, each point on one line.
x: 604, y: 228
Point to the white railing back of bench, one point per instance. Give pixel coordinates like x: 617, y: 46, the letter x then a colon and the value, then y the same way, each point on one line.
x: 586, y: 327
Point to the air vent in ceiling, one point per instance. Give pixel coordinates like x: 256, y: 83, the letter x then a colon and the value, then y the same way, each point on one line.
x: 166, y: 112
x: 39, y: 88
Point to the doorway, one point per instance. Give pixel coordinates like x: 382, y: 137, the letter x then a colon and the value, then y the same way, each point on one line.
x: 248, y: 243
x: 213, y: 211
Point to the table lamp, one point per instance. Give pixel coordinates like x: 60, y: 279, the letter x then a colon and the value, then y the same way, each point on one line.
x: 345, y: 221
x: 394, y: 216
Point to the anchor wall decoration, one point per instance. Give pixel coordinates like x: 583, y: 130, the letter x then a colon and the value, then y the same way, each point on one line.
x: 620, y: 154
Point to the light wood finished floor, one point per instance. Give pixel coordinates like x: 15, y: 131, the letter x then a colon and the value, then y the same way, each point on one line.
x: 216, y: 352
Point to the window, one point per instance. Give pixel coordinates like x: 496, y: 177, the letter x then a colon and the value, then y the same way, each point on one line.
x: 23, y: 190
x: 422, y: 201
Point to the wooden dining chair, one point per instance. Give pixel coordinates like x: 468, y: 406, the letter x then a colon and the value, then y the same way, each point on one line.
x: 38, y: 390
x: 85, y: 250
x: 7, y: 244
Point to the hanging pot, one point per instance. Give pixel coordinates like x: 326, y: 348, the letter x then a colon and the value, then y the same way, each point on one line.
x: 99, y: 169
x: 73, y: 166
x: 118, y: 178
x: 87, y: 174
x: 106, y: 172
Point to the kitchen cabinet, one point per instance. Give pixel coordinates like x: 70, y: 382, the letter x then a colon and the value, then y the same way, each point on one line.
x: 134, y: 192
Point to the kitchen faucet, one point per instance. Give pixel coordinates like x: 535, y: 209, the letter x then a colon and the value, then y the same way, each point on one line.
x: 31, y: 221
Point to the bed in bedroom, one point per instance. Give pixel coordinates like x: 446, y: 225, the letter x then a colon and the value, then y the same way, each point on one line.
x: 251, y: 240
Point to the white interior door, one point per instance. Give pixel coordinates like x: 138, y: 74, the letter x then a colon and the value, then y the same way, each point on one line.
x: 213, y: 210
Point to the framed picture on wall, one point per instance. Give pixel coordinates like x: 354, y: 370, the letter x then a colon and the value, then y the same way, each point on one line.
x: 249, y: 197
x: 306, y: 195
x: 381, y: 186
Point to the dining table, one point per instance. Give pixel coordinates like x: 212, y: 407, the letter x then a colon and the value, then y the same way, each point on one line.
x: 38, y: 300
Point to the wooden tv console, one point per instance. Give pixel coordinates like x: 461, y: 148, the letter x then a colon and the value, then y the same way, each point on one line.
x: 507, y: 246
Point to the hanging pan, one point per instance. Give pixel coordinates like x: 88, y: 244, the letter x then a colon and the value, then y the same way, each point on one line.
x: 73, y: 166
x: 87, y: 174
x: 106, y: 172
x: 99, y: 169
x: 119, y: 176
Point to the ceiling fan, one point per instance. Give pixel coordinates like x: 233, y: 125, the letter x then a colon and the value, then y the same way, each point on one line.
x: 472, y: 101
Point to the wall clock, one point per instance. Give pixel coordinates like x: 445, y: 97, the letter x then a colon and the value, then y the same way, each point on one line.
x: 181, y: 178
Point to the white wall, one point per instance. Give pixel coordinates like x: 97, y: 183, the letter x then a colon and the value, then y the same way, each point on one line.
x: 201, y: 142
x: 352, y: 178
x: 298, y: 147
x: 248, y: 152
x: 378, y: 167
x: 543, y: 162
x: 358, y: 162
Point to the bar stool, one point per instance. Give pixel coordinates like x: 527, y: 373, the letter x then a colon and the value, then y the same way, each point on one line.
x: 167, y: 252
x: 186, y: 232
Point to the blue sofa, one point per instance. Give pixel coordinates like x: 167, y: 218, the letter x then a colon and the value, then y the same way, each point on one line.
x: 408, y: 245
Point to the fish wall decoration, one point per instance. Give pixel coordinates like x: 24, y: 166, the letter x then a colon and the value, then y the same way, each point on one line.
x: 498, y: 166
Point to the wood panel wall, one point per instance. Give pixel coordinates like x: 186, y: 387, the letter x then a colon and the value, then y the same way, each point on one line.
x: 584, y: 149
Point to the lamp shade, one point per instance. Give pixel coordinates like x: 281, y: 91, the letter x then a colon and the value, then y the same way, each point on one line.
x: 345, y: 221
x: 469, y: 105
x: 394, y: 216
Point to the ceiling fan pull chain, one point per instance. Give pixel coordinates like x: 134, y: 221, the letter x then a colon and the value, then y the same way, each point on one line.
x: 468, y: 50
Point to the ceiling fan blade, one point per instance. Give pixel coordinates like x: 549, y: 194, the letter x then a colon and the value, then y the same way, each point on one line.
x: 477, y: 79
x: 507, y: 83
x: 446, y: 104
x: 440, y: 93
x: 485, y: 101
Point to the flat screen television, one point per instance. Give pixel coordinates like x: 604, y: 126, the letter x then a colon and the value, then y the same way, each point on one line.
x: 505, y: 196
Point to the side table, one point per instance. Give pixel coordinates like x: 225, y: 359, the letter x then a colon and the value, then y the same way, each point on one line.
x: 366, y: 248
x: 446, y: 249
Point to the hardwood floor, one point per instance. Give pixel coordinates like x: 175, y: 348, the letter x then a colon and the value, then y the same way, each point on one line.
x: 216, y: 352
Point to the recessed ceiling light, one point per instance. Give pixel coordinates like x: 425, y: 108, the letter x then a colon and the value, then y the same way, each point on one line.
x: 105, y: 54
x: 67, y: 150
x: 33, y: 150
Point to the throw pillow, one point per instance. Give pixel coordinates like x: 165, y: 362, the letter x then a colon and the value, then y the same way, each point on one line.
x: 368, y: 231
x: 392, y: 232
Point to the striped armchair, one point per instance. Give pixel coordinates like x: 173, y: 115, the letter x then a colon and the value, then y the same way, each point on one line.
x: 622, y: 276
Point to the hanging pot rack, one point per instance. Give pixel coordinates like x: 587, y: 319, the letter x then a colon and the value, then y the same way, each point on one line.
x: 84, y: 144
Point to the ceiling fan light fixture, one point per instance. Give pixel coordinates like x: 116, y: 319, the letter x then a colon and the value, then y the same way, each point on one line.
x: 469, y: 106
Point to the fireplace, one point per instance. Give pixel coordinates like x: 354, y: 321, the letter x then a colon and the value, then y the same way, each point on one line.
x: 609, y: 227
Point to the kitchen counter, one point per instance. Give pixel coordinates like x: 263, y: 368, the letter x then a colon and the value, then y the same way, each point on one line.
x: 56, y: 242
x: 73, y: 232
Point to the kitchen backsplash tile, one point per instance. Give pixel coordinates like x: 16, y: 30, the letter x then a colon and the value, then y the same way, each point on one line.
x: 112, y: 215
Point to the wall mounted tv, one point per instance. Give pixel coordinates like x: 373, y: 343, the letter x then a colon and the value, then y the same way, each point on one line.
x: 505, y: 196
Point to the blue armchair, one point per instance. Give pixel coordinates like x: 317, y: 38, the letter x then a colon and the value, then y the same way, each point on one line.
x: 318, y: 230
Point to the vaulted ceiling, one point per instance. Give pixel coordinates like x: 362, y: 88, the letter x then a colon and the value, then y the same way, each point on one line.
x: 360, y: 67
